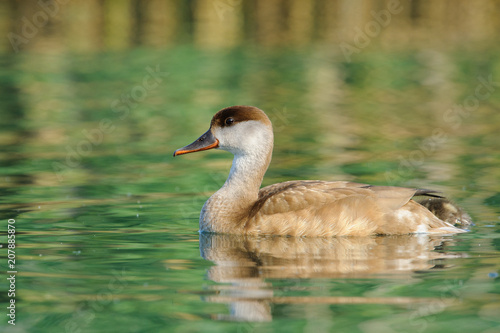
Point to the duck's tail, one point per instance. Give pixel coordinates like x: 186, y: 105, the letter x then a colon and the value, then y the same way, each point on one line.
x: 447, y: 211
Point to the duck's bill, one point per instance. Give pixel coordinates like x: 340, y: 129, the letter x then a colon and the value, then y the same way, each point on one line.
x: 204, y: 142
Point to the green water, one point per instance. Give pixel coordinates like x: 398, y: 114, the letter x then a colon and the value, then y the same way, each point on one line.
x: 106, y: 220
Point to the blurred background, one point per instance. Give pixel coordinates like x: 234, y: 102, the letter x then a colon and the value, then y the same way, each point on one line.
x: 102, y: 25
x: 388, y: 92
x: 95, y: 95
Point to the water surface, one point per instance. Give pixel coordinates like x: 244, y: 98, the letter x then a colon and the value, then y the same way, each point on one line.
x: 107, y: 220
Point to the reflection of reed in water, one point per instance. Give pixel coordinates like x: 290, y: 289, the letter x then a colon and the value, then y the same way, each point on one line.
x: 56, y: 25
x: 243, y: 263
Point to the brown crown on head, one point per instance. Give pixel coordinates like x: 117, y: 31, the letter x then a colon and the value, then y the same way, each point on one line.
x: 239, y: 113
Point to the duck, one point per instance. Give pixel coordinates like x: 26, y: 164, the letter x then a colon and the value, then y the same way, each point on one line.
x: 304, y: 208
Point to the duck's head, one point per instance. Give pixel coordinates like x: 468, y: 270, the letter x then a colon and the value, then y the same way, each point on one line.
x: 241, y: 130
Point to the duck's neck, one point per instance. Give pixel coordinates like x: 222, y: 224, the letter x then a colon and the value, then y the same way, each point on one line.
x: 245, y: 177
x: 226, y: 209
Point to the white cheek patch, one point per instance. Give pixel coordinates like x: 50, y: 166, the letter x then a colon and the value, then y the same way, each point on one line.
x: 244, y: 137
x: 251, y: 133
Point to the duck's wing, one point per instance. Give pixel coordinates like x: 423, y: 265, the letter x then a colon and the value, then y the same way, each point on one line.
x: 305, y: 194
x: 296, y: 195
x: 339, y: 208
x: 301, y: 185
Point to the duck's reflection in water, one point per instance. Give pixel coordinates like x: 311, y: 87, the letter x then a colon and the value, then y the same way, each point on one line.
x: 245, y: 267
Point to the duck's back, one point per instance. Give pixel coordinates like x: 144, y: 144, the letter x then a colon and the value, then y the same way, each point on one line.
x: 321, y: 208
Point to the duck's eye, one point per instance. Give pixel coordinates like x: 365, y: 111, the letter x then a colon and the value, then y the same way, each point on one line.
x: 229, y: 121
